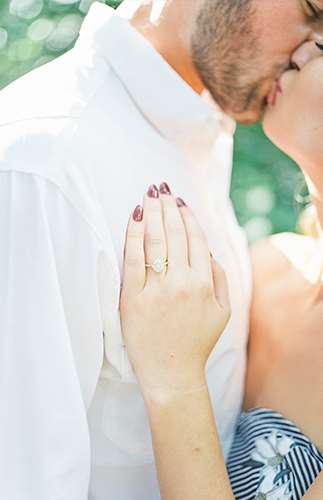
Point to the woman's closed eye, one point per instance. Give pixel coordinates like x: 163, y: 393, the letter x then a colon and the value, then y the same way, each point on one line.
x: 314, y: 11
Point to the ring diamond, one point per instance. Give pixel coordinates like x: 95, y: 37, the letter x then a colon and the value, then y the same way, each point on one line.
x: 159, y: 265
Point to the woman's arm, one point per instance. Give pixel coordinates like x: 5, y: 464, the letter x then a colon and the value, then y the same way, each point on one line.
x: 187, y: 449
x: 171, y: 322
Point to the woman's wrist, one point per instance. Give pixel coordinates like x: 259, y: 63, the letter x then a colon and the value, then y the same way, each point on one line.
x: 160, y: 396
x: 186, y: 445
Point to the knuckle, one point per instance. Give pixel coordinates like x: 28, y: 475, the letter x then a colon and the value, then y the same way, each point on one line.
x: 186, y: 289
x: 133, y: 261
x: 194, y: 229
x: 179, y: 289
x: 130, y: 304
x: 196, y: 234
x: 153, y: 206
x: 175, y: 229
x: 183, y: 293
x: 169, y: 204
x: 153, y: 212
x: 134, y: 236
x: 156, y: 294
x: 155, y: 240
x: 205, y: 290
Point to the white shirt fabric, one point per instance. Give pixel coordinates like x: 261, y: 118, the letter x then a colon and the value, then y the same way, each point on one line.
x: 81, y: 139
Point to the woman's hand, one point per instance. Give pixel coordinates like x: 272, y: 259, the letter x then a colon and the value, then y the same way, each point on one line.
x: 171, y: 320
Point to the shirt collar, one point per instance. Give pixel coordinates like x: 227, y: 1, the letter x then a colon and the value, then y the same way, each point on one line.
x: 163, y: 97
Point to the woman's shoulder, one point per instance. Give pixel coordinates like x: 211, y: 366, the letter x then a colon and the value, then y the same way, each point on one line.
x: 277, y: 255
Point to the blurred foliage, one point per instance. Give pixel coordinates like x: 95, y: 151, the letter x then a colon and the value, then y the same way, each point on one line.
x: 268, y: 189
x: 32, y: 32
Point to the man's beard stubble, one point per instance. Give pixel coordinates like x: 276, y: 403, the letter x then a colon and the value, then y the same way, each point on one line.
x: 226, y: 55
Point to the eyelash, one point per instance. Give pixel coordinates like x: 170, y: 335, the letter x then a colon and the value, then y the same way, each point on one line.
x: 315, y: 13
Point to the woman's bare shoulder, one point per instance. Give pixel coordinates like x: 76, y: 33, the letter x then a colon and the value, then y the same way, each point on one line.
x: 276, y: 255
x: 278, y: 264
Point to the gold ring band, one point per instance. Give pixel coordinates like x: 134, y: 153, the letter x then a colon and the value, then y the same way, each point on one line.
x: 159, y: 265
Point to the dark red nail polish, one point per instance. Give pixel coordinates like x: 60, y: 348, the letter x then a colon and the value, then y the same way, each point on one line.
x: 153, y: 191
x: 138, y: 214
x: 164, y: 188
x: 180, y: 202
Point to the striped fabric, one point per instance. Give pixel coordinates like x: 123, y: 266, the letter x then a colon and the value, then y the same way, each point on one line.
x: 271, y: 459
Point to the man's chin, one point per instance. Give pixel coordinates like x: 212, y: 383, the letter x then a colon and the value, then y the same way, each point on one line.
x: 249, y: 116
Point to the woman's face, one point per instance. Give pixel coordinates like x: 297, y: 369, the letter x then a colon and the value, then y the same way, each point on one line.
x: 295, y: 121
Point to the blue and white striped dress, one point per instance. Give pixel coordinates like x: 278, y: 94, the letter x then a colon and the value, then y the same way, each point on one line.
x: 271, y: 459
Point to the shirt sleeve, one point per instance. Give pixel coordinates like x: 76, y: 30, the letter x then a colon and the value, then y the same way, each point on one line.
x: 51, y: 343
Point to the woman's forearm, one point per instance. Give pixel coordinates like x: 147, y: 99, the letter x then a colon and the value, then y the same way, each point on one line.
x: 187, y: 449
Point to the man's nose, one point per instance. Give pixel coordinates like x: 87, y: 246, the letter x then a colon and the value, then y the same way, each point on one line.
x: 305, y: 53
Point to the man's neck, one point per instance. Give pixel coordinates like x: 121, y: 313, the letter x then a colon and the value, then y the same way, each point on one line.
x: 169, y: 36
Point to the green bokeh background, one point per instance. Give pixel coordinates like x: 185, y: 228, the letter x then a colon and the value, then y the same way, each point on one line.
x: 265, y: 182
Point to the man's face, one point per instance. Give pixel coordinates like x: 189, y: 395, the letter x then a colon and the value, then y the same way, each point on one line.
x: 241, y: 47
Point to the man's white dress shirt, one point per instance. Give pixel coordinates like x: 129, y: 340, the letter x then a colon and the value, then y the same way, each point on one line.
x: 81, y: 139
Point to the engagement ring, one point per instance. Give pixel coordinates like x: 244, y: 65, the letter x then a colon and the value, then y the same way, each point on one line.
x: 159, y: 265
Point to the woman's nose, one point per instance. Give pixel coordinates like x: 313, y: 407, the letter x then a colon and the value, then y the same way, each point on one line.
x: 306, y: 52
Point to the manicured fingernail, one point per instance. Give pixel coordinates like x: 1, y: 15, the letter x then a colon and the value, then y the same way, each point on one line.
x: 138, y: 214
x: 180, y: 202
x: 164, y: 188
x: 153, y: 191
